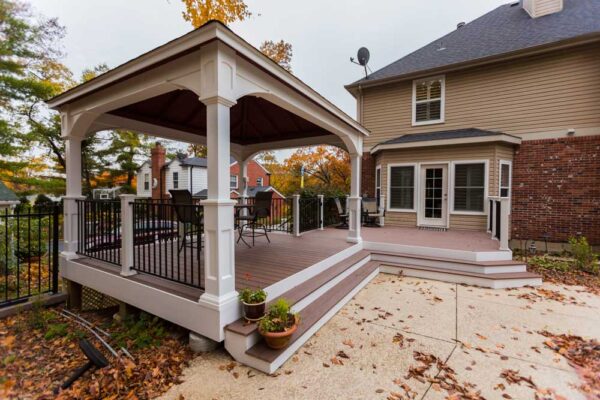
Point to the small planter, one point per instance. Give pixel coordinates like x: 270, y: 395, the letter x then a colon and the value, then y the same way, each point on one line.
x: 280, y: 340
x: 254, y: 312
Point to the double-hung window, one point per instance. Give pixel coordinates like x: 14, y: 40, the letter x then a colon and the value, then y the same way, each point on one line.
x: 505, y: 178
x: 469, y: 187
x: 146, y: 181
x: 402, y: 187
x: 259, y: 181
x: 175, y: 180
x: 428, y: 101
x: 233, y: 181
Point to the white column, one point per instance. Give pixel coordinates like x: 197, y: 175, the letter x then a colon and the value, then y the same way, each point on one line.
x: 354, y: 201
x: 219, y: 254
x: 73, y: 193
x: 127, y: 234
x: 296, y: 213
x: 382, y: 210
x: 321, y: 213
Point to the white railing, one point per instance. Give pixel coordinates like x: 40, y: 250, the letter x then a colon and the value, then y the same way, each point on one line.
x: 498, y: 220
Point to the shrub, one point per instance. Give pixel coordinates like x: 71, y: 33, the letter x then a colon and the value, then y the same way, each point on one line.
x: 143, y: 331
x: 549, y: 263
x: 585, y: 259
x: 56, y: 330
x: 38, y: 317
x: 250, y: 296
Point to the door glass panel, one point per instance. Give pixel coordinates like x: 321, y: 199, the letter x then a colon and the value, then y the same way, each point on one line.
x: 434, y: 181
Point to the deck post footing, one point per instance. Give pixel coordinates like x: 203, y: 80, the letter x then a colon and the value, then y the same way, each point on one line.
x: 201, y: 344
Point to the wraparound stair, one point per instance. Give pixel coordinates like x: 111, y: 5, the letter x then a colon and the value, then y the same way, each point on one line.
x: 319, y: 298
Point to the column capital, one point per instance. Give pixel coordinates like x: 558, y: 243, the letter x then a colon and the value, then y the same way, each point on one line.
x: 218, y: 100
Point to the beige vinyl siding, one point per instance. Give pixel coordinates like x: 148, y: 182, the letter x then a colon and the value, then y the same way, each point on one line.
x: 542, y: 93
x: 491, y: 152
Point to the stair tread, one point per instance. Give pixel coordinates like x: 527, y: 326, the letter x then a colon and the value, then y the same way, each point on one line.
x: 316, y: 310
x: 494, y: 275
x: 502, y: 263
x: 297, y: 293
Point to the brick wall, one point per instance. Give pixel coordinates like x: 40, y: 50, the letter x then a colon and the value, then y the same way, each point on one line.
x: 367, y: 183
x: 157, y: 161
x: 255, y: 171
x: 556, y: 189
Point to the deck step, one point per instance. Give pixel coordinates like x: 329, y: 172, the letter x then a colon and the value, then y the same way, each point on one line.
x: 492, y: 280
x: 446, y: 259
x: 302, y: 291
x: 316, y: 312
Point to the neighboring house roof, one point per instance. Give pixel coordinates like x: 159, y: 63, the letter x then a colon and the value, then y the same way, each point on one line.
x: 456, y: 136
x: 505, y: 30
x: 6, y: 194
x: 252, y: 190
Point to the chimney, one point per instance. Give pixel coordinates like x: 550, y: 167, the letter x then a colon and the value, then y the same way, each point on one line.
x: 539, y: 8
x: 157, y: 162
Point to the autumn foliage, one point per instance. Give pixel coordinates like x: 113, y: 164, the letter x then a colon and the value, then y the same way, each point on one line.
x: 199, y: 12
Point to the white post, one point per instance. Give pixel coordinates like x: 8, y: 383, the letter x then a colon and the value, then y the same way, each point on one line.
x: 219, y: 250
x: 354, y: 201
x: 296, y: 211
x: 71, y: 212
x: 504, y: 223
x: 382, y: 210
x: 243, y: 184
x: 321, y: 211
x: 127, y: 234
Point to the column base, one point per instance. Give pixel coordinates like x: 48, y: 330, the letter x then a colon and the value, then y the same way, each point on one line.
x: 218, y: 302
x: 201, y: 344
x: 350, y: 239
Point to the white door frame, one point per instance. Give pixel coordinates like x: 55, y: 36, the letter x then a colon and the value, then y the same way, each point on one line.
x: 445, y: 220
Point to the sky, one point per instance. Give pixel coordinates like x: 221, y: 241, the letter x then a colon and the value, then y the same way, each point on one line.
x: 324, y: 33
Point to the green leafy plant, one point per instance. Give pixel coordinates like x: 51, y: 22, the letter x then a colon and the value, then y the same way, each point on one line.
x: 279, y: 318
x: 56, y: 330
x: 38, y: 317
x: 550, y: 263
x: 143, y: 331
x: 585, y: 258
x: 252, y: 296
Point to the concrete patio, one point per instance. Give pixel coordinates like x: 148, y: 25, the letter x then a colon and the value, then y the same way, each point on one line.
x: 478, y: 332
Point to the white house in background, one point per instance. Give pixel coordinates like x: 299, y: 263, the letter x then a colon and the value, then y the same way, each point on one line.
x: 8, y: 199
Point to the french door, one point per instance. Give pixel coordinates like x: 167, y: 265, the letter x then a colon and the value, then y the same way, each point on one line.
x: 433, y: 199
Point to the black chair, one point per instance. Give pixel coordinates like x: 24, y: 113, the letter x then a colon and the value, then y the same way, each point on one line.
x: 254, y: 219
x: 371, y: 213
x: 343, y: 215
x: 190, y: 217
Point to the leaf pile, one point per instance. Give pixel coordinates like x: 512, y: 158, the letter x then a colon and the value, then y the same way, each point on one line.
x: 40, y: 351
x: 583, y: 355
x: 541, y: 294
x: 569, y: 276
x: 444, y: 379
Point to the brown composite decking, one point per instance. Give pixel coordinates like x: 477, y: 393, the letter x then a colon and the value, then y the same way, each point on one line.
x: 268, y: 263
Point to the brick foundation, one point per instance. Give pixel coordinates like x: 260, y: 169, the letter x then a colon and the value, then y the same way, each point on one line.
x: 367, y: 180
x: 556, y: 189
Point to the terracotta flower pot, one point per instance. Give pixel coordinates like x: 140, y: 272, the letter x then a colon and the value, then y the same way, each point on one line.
x: 253, y: 312
x: 279, y: 340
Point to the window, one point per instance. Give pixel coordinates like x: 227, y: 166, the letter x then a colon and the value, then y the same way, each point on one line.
x: 505, y: 178
x: 469, y: 187
x: 259, y: 181
x: 402, y: 187
x: 233, y: 179
x: 428, y: 101
x: 175, y: 180
x: 146, y: 181
x: 378, y: 184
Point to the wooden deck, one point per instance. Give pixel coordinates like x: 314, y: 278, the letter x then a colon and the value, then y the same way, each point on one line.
x: 268, y: 263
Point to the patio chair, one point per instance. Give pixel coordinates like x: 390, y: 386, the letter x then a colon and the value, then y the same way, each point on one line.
x: 254, y: 219
x: 188, y: 215
x: 371, y: 212
x: 343, y: 215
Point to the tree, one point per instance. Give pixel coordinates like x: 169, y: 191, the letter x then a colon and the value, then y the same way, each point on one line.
x: 280, y: 52
x: 196, y: 150
x: 127, y: 148
x: 199, y: 12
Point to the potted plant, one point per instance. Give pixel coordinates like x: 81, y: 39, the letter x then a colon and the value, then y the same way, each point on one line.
x: 253, y: 302
x: 278, y: 326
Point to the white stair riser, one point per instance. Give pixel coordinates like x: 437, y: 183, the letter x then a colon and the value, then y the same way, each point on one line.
x: 450, y: 266
x: 469, y: 280
x: 467, y: 255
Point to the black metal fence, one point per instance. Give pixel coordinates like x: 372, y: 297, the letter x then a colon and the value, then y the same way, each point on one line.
x: 100, y: 230
x: 309, y: 213
x: 281, y: 217
x: 168, y: 241
x: 331, y: 213
x: 28, y: 254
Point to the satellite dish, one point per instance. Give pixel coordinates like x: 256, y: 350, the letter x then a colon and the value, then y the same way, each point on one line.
x: 363, y: 56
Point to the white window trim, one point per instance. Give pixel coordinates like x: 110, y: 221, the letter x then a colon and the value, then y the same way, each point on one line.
x: 262, y: 182
x: 485, y: 187
x: 415, y: 187
x: 175, y: 180
x: 442, y: 104
x: 236, y: 182
x: 420, y: 199
x: 500, y: 164
x: 378, y: 168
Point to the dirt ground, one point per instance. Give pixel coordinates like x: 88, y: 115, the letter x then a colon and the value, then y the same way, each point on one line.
x: 408, y: 338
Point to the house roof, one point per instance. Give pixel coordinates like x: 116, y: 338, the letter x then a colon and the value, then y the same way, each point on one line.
x: 456, y: 136
x: 6, y: 194
x: 252, y: 190
x: 506, y: 30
